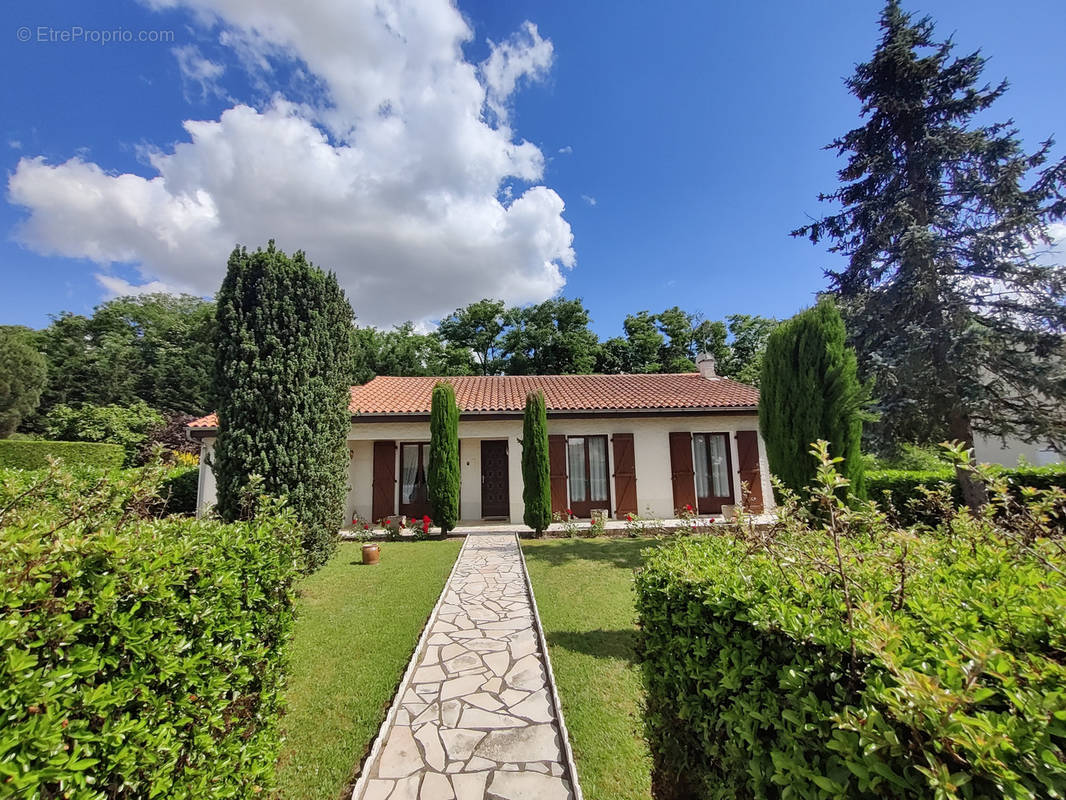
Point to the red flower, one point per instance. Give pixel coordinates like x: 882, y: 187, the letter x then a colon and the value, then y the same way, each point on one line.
x: 569, y: 513
x: 425, y: 518
x: 688, y: 507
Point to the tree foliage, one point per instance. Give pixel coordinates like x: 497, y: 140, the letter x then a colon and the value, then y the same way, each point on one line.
x: 443, y: 472
x: 157, y: 348
x: 551, y: 338
x: 476, y: 328
x: 536, y: 473
x: 810, y: 391
x: 23, y: 373
x: 281, y: 374
x: 127, y: 426
x: 956, y: 313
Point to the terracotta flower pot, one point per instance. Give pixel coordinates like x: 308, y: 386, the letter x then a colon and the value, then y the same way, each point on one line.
x: 371, y: 553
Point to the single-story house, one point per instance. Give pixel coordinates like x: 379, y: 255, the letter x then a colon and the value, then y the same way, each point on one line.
x: 641, y: 444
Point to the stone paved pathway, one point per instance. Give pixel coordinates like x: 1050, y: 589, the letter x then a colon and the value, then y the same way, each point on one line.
x: 476, y: 719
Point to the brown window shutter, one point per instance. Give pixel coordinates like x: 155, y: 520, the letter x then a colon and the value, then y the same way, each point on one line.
x: 625, y: 474
x: 681, y: 474
x: 384, y: 479
x: 557, y: 468
x: 750, y: 474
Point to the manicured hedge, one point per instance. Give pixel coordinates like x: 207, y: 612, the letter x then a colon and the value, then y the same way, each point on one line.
x: 904, y: 487
x: 142, y: 657
x: 947, y: 680
x: 34, y: 454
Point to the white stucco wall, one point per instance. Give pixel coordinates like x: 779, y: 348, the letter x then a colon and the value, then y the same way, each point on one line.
x: 991, y: 450
x: 205, y: 494
x: 651, y: 443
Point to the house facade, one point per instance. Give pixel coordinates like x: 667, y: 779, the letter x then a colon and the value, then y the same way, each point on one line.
x: 641, y: 444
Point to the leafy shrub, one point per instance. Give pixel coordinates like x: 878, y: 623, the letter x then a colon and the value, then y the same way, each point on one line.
x: 839, y: 657
x: 178, y: 490
x: 142, y: 657
x: 126, y: 426
x: 34, y: 454
x: 169, y: 436
x: 913, y: 457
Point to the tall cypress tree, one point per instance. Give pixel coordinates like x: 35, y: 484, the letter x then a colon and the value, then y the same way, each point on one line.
x: 281, y: 380
x: 536, y: 473
x: 955, y: 314
x: 443, y: 475
x: 810, y: 390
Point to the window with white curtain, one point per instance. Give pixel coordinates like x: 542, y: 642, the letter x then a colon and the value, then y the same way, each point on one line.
x: 719, y: 465
x: 597, y: 446
x: 699, y: 463
x: 409, y: 460
x: 575, y: 446
x: 710, y: 461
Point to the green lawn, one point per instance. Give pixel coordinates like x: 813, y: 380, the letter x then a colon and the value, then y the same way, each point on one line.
x: 584, y: 591
x: 356, y: 631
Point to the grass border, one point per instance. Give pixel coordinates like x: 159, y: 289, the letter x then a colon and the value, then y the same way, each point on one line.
x: 564, y: 734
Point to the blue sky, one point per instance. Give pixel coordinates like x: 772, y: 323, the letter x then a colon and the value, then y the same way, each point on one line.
x: 683, y: 142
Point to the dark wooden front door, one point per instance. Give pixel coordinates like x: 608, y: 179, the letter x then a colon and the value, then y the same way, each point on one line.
x: 495, y: 491
x: 414, y: 490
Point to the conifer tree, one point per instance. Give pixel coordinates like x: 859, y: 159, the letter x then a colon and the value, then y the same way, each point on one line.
x: 536, y: 474
x: 956, y: 313
x: 281, y: 379
x: 443, y: 474
x: 809, y: 390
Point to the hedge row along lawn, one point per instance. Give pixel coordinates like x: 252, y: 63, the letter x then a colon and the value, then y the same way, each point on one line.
x: 356, y: 629
x: 34, y: 454
x: 584, y: 591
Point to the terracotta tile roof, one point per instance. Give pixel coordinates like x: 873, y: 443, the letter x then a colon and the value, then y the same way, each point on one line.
x: 507, y: 393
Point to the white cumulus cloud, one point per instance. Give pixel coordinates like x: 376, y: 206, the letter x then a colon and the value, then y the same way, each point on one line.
x: 403, y: 174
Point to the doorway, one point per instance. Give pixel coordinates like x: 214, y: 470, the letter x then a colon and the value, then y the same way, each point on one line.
x: 495, y: 484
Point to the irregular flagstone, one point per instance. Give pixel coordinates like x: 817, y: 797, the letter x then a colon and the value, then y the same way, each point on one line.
x: 476, y: 718
x: 531, y: 743
x: 436, y: 787
x: 459, y: 744
x: 528, y: 786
